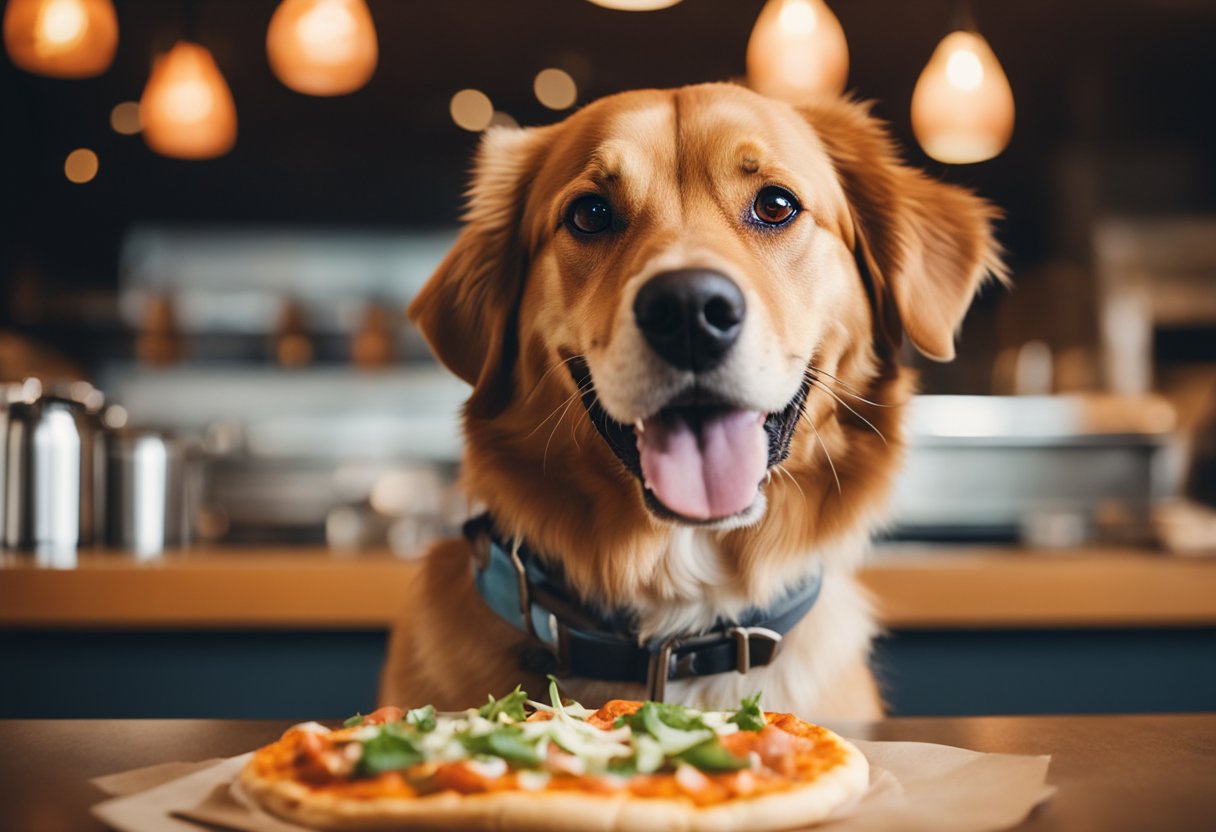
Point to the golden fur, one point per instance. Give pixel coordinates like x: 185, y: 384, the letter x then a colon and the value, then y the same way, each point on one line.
x: 882, y: 250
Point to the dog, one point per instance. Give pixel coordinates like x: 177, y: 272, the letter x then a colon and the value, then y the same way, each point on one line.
x: 681, y: 313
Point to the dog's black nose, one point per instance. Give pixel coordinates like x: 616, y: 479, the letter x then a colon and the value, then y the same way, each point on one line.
x: 691, y: 317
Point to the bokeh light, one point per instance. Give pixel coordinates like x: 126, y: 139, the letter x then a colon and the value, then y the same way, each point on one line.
x: 81, y: 166
x: 555, y: 89
x: 472, y: 110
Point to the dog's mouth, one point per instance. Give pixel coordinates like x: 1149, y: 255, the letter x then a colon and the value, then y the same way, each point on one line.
x: 700, y: 459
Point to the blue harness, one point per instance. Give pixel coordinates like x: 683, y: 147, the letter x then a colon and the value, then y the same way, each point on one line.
x: 571, y: 639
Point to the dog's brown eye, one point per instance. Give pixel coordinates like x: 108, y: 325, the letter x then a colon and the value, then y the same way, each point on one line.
x: 590, y: 215
x: 774, y: 206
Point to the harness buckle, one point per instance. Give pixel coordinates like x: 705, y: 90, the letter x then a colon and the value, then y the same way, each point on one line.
x: 525, y: 600
x: 758, y: 642
x: 658, y: 670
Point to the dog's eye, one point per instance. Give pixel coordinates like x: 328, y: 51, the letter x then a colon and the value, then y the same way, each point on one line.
x: 774, y: 205
x: 590, y: 215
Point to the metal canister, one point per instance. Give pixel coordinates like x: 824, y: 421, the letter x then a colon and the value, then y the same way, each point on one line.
x: 147, y: 491
x: 49, y: 469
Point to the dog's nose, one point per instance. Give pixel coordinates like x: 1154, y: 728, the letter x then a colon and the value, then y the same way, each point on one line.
x: 691, y: 317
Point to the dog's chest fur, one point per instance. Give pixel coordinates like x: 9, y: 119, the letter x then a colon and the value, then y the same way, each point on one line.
x: 697, y: 585
x: 694, y: 585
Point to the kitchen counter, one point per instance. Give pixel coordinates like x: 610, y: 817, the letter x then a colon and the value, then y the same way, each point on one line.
x: 914, y: 587
x: 1114, y: 773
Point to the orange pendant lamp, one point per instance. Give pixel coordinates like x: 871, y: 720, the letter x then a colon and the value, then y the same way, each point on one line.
x: 61, y: 38
x: 962, y: 106
x: 187, y: 111
x: 797, y: 50
x: 322, y: 47
x: 635, y: 5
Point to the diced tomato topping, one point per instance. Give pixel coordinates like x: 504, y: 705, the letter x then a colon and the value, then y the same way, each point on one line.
x: 693, y: 783
x: 606, y: 716
x: 459, y: 778
x: 779, y: 750
x: 310, y: 760
x: 563, y: 762
x: 386, y: 714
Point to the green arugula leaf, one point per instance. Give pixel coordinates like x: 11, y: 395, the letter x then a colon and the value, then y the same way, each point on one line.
x: 711, y: 756
x: 389, y: 750
x: 623, y: 766
x: 670, y: 714
x: 357, y: 719
x: 674, y: 727
x: 422, y: 718
x: 749, y: 717
x: 507, y: 742
x: 512, y: 705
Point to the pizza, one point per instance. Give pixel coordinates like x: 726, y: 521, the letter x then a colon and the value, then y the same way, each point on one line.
x: 516, y: 764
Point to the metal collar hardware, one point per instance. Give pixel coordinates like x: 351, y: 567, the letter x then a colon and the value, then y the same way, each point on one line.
x: 576, y: 640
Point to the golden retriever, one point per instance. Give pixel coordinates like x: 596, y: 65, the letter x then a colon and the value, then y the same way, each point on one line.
x: 681, y: 313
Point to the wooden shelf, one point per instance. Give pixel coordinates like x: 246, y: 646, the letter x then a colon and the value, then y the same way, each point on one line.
x: 913, y: 588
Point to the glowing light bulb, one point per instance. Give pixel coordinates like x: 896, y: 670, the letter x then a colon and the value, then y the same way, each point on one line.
x: 797, y: 51
x: 322, y: 47
x: 962, y: 107
x: 62, y: 24
x: 187, y: 111
x: 61, y: 38
x: 635, y: 5
x: 964, y: 70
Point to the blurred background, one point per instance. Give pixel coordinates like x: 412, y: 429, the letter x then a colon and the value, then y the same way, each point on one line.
x: 215, y: 213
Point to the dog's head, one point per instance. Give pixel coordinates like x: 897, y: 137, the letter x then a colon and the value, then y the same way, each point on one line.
x: 717, y: 282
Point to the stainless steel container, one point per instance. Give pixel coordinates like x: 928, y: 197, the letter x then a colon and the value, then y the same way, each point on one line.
x: 148, y: 488
x: 49, y: 494
x: 1047, y: 470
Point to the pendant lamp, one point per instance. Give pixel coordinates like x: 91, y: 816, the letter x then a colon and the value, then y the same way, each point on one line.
x: 797, y: 50
x: 962, y: 106
x: 322, y: 47
x: 186, y: 110
x: 61, y: 38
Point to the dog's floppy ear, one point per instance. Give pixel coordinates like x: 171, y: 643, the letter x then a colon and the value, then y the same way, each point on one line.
x: 467, y: 309
x: 927, y: 245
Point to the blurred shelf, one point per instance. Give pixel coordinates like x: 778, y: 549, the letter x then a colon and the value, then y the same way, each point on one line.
x: 260, y: 588
x: 913, y: 588
x: 923, y: 587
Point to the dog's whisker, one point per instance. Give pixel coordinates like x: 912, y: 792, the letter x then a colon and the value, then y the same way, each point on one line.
x: 575, y: 426
x: 544, y: 464
x: 844, y: 387
x: 792, y: 479
x: 545, y: 375
x: 844, y: 404
x: 827, y: 455
x: 579, y: 391
x: 812, y: 367
x: 552, y: 413
x: 812, y: 372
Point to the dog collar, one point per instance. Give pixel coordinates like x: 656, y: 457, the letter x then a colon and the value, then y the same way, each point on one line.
x: 574, y: 640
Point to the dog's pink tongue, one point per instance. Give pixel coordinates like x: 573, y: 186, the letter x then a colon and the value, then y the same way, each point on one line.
x: 707, y: 468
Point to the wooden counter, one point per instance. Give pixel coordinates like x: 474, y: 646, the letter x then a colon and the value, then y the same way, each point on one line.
x: 913, y: 587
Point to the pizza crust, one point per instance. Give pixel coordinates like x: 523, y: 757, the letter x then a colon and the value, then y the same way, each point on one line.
x: 510, y: 811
